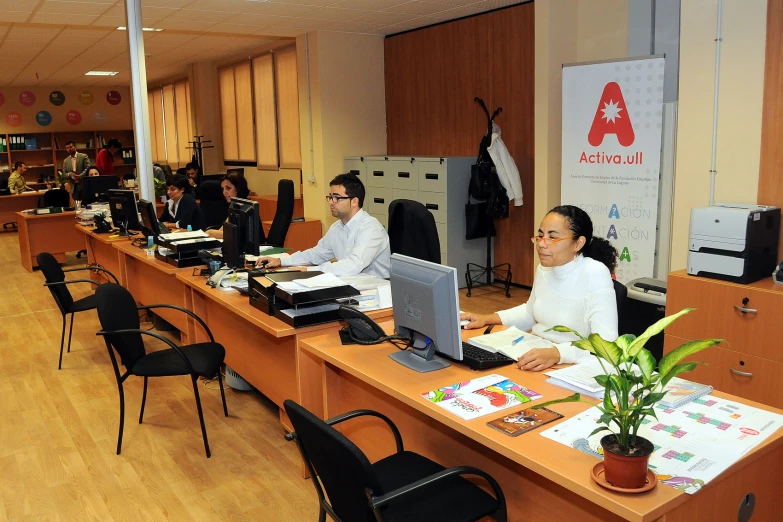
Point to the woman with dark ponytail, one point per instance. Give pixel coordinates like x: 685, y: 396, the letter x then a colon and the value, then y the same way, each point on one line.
x: 572, y: 287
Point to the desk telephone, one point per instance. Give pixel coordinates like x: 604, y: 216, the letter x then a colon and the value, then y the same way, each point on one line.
x: 361, y: 329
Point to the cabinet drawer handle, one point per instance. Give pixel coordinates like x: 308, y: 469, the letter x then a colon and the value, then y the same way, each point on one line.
x: 431, y: 206
x: 741, y: 374
x: 403, y: 174
x: 430, y: 176
x: 377, y: 173
x: 377, y: 200
x: 745, y: 310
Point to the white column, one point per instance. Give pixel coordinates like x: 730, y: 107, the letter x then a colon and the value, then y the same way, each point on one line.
x: 138, y: 88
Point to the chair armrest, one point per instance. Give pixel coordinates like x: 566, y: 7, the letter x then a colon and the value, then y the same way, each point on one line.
x: 432, y: 480
x: 362, y: 413
x: 155, y: 335
x: 72, y: 281
x: 94, y: 268
x: 183, y: 310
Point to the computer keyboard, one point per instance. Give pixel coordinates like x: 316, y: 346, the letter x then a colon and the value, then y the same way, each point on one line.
x: 477, y: 358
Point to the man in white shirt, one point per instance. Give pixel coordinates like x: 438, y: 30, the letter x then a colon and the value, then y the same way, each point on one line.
x: 357, y: 241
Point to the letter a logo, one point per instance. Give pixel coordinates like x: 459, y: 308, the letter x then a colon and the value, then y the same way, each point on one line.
x: 611, y: 117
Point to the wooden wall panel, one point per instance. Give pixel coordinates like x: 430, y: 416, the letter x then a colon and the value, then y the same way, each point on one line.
x: 432, y: 76
x: 771, y: 162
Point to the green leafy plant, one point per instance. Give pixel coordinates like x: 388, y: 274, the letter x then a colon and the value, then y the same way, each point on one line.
x: 61, y: 179
x: 630, y: 374
x: 160, y: 187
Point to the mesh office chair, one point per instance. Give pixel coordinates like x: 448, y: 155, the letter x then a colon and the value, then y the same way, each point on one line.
x: 119, y: 317
x: 58, y: 286
x: 412, y: 231
x: 283, y: 214
x: 213, y: 205
x: 404, y: 486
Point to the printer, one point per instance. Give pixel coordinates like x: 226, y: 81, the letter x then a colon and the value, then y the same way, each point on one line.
x: 737, y: 243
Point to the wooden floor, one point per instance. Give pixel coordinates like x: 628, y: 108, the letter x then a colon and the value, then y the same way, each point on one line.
x: 58, y: 429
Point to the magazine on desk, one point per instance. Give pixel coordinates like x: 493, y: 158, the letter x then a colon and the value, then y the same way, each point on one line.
x: 477, y: 397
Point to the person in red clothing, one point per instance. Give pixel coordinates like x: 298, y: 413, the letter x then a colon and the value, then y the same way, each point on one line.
x: 105, y: 159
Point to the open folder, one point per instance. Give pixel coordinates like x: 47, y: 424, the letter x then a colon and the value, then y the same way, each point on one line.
x: 511, y: 342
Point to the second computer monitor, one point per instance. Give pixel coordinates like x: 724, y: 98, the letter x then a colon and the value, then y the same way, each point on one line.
x: 244, y: 214
x: 124, y: 211
x: 149, y: 219
x: 96, y: 188
x: 426, y: 309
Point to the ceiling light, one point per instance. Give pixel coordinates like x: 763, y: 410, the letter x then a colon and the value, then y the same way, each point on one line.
x: 148, y: 29
x: 101, y: 73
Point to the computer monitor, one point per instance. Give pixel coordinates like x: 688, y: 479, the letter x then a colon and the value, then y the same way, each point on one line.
x: 243, y: 214
x: 149, y: 219
x: 96, y: 188
x: 426, y: 310
x: 123, y: 209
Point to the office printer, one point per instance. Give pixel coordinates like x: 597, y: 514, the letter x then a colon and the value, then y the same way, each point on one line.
x: 737, y: 243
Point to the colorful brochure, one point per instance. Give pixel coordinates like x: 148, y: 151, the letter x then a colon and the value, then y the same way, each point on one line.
x: 519, y: 422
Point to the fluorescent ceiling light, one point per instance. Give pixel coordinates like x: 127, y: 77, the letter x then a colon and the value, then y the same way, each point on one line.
x: 101, y: 73
x: 148, y: 29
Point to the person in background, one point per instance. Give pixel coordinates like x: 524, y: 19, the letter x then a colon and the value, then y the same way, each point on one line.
x: 193, y: 172
x: 357, y: 240
x: 234, y: 186
x: 93, y: 171
x: 75, y: 165
x: 181, y: 208
x: 16, y: 182
x: 572, y: 287
x: 105, y: 158
x: 157, y: 172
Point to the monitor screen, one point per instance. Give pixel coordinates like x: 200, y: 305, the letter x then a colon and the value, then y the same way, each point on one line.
x: 149, y: 219
x: 426, y: 310
x: 96, y: 188
x: 122, y: 205
x: 244, y: 215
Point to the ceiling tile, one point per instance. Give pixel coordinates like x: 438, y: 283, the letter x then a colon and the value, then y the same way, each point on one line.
x: 183, y: 26
x: 369, y: 5
x: 109, y: 21
x: 226, y: 6
x: 358, y: 27
x: 304, y: 23
x: 186, y: 15
x: 459, y: 12
x: 319, y: 3
x: 420, y: 8
x: 338, y: 15
x: 237, y: 29
x: 384, y: 18
x: 488, y: 5
x: 57, y: 18
x: 155, y: 13
x: 27, y: 6
x: 171, y: 4
x: 280, y: 9
x: 252, y: 20
x: 15, y: 16
x: 83, y: 33
x: 281, y: 32
x: 74, y: 8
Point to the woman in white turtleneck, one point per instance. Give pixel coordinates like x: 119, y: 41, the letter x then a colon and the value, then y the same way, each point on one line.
x: 573, y: 287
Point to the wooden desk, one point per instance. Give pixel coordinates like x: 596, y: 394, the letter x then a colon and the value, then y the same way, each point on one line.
x: 101, y: 251
x: 301, y: 234
x: 267, y: 206
x: 53, y: 233
x: 10, y: 205
x: 541, y: 479
x: 261, y: 348
x: 152, y: 281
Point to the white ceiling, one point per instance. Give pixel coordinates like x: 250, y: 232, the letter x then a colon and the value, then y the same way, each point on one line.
x: 54, y: 42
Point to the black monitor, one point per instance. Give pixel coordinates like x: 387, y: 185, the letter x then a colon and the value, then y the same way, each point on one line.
x: 96, y: 188
x: 243, y: 216
x: 149, y: 219
x: 426, y: 310
x: 124, y: 212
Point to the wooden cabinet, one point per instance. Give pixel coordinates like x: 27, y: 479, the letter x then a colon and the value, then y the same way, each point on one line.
x: 750, y: 362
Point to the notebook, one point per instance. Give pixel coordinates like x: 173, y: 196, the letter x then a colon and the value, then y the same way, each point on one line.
x: 504, y: 342
x: 679, y: 392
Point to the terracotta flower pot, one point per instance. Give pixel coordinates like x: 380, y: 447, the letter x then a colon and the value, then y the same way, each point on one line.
x: 626, y: 468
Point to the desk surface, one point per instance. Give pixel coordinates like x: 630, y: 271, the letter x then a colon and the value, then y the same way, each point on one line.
x: 240, y: 305
x: 566, y: 467
x: 107, y: 238
x: 31, y: 217
x: 141, y: 254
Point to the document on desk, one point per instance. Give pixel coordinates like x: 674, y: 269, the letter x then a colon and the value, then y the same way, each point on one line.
x: 694, y: 443
x: 176, y: 236
x: 307, y: 310
x: 475, y: 398
x: 582, y: 375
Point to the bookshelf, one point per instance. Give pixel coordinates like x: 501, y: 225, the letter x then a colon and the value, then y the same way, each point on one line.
x: 46, y: 151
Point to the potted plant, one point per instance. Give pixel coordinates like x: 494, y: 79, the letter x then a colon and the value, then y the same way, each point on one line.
x: 160, y: 189
x: 60, y: 179
x: 633, y: 385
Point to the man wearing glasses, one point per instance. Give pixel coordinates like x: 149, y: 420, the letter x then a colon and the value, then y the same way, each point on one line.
x: 357, y: 241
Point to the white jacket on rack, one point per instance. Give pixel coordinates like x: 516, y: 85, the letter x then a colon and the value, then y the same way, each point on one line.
x: 505, y: 167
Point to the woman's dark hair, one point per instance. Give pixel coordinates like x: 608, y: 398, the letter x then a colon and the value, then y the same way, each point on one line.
x: 580, y: 225
x: 179, y: 181
x: 182, y: 171
x: 113, y: 143
x: 93, y: 167
x: 239, y: 182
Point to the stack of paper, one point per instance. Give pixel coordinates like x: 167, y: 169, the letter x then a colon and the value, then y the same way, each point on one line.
x: 511, y: 342
x: 581, y: 377
x: 311, y: 283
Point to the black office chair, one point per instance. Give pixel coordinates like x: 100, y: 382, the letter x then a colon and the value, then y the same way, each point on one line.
x: 621, y: 294
x: 283, y: 214
x: 404, y: 486
x: 58, y: 286
x: 56, y: 198
x: 412, y: 231
x: 214, y: 206
x: 211, y: 177
x: 118, y: 314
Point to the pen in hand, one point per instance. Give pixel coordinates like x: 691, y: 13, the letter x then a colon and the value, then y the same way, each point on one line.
x: 515, y: 341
